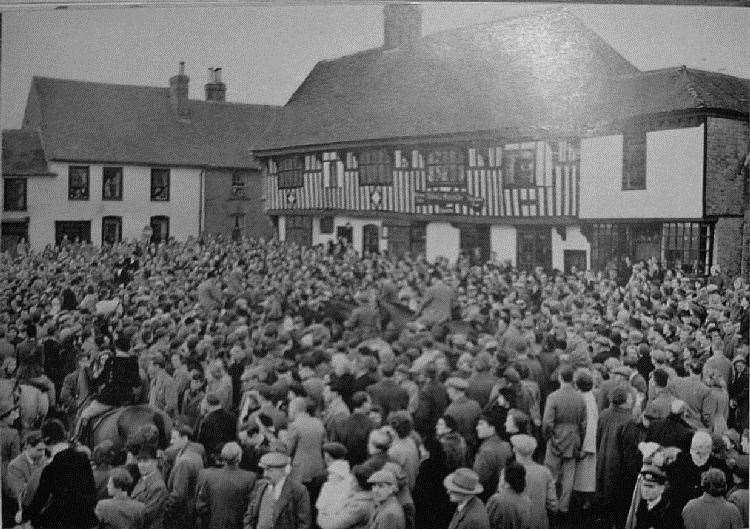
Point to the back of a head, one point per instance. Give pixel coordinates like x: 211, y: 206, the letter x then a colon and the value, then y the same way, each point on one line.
x: 231, y: 453
x: 713, y: 482
x: 122, y: 342
x: 515, y: 476
x: 566, y: 373
x: 53, y: 432
x: 661, y: 378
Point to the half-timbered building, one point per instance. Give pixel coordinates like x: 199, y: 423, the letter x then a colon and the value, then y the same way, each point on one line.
x: 529, y: 138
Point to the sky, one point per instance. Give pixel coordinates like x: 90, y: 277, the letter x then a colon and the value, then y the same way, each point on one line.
x: 266, y: 51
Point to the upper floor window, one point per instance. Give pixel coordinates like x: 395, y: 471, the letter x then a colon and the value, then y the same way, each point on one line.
x: 445, y: 168
x: 112, y: 183
x: 290, y: 172
x: 402, y: 159
x: 313, y: 163
x: 485, y: 156
x: 351, y: 160
x: 333, y: 170
x: 634, y: 158
x: 160, y: 185
x: 375, y: 168
x: 519, y: 163
x: 78, y: 182
x: 14, y: 194
x: 565, y: 151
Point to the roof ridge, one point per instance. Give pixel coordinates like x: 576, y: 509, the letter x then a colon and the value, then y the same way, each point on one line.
x: 37, y: 78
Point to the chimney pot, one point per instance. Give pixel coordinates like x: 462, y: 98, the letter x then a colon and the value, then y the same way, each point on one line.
x: 178, y: 92
x: 215, y: 89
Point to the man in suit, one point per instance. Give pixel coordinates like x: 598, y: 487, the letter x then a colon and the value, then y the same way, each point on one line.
x: 150, y: 489
x: 223, y: 492
x: 431, y: 402
x: 162, y: 393
x: 355, y: 429
x: 66, y: 495
x: 697, y: 396
x: 463, y: 410
x: 22, y: 478
x: 183, y: 480
x: 216, y: 427
x: 493, y: 453
x: 387, y: 393
x: 463, y: 487
x: 564, y: 425
x: 388, y: 513
x: 277, y: 501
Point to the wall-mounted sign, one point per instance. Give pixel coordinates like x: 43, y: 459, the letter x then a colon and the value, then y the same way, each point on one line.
x: 443, y: 198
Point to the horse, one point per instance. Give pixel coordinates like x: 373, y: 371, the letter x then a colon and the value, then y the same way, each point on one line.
x: 119, y: 424
x: 33, y: 406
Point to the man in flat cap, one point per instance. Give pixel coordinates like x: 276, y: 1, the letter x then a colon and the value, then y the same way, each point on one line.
x: 388, y: 512
x: 277, y: 501
x: 540, y: 486
x: 463, y: 410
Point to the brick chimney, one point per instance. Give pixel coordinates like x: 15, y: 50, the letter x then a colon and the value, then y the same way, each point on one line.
x: 215, y: 89
x: 178, y: 92
x: 402, y: 24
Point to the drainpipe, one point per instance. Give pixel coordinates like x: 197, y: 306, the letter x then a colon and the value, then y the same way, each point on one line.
x: 201, y: 191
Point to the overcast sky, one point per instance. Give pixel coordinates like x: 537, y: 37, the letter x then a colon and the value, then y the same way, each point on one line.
x: 265, y: 52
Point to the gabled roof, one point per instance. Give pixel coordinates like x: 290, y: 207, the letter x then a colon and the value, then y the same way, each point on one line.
x: 526, y: 71
x: 546, y: 73
x: 23, y: 154
x: 110, y: 123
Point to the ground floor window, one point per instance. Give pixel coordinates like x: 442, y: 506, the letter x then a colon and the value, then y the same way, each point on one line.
x: 684, y: 245
x: 159, y: 228
x: 111, y: 230
x: 407, y: 238
x: 299, y: 230
x: 12, y: 233
x: 72, y: 231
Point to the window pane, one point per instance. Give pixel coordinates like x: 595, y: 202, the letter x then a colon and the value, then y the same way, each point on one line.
x: 160, y: 185
x: 14, y: 194
x: 78, y: 183
x: 519, y: 167
x: 112, y: 183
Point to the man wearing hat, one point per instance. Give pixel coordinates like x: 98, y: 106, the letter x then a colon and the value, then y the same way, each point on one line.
x: 540, y: 486
x: 654, y: 509
x: 463, y: 410
x: 712, y: 505
x: 388, y: 512
x: 277, y: 501
x: 463, y: 489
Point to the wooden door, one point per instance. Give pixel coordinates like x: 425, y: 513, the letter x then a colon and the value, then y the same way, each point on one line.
x: 573, y: 258
x: 299, y: 230
x: 475, y: 239
x: 370, y: 238
x: 534, y: 248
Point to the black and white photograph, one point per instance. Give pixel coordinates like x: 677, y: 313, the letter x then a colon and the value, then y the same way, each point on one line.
x: 374, y: 265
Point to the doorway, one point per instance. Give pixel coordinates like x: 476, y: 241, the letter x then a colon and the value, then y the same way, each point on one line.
x: 160, y: 226
x: 370, y: 239
x: 346, y: 233
x: 574, y: 258
x: 475, y: 242
x: 534, y: 248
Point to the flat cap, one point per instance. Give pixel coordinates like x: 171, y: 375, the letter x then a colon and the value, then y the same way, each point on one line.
x: 457, y: 383
x: 274, y: 460
x: 383, y: 476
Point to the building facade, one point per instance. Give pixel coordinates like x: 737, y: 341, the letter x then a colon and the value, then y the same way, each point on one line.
x: 120, y: 161
x: 557, y: 154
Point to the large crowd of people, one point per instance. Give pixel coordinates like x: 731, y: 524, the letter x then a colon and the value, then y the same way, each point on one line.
x: 307, y: 388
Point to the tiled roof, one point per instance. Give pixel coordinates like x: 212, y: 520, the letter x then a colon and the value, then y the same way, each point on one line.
x: 544, y: 73
x: 112, y: 123
x: 23, y: 154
